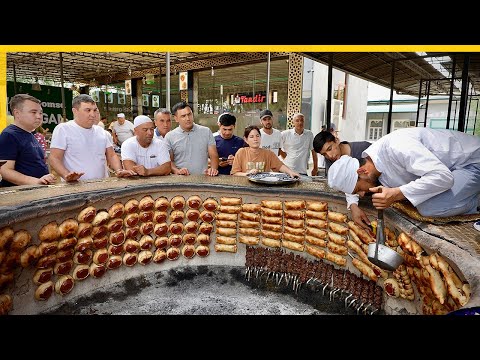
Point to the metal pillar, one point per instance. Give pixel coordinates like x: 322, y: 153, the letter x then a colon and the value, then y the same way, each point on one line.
x: 62, y: 90
x: 329, y: 92
x: 167, y: 100
x: 419, y: 98
x: 452, y: 81
x: 268, y: 80
x: 463, y: 95
x: 390, y: 105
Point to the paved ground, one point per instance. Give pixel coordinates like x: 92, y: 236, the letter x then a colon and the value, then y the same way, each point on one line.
x: 202, y: 290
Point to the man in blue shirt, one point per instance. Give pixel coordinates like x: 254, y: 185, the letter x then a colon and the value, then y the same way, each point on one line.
x: 25, y: 159
x: 227, y: 143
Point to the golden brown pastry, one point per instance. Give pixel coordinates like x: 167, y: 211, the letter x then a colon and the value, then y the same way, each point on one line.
x: 189, y: 239
x: 226, y: 231
x: 101, y: 243
x: 117, y: 238
x: 6, y: 278
x: 66, y: 244
x: 177, y: 216
x: 272, y: 204
x: 192, y: 214
x: 271, y: 234
x: 41, y: 276
x: 391, y: 287
x: 244, y: 216
x: 49, y: 232
x: 295, y: 238
x: 64, y: 284
x: 249, y: 231
x: 102, y: 218
x: 146, y: 203
x: 337, y: 228
x: 115, y: 249
x: 270, y: 220
x: 292, y: 245
x: 361, y: 233
x: 146, y: 228
x: 3, y: 254
x: 65, y: 255
x: 96, y: 270
x: 114, y: 225
x: 294, y: 205
x: 194, y: 202
x: 315, y: 251
x: 29, y: 256
x: 225, y: 240
x: 20, y: 240
x: 191, y: 227
x: 271, y: 243
x: 269, y: 212
x: 6, y: 304
x: 207, y: 216
x: 321, y: 215
x: 210, y: 204
x: 44, y: 291
x: 46, y: 261
x: 337, y: 249
x: 131, y: 206
x: 159, y: 256
x: 146, y: 216
x: 188, y: 251
x: 161, y: 242
x: 48, y: 248
x: 316, y: 223
x: 83, y: 257
x: 162, y: 204
x: 100, y: 231
x: 68, y: 228
x: 336, y: 216
x: 132, y: 233
x: 100, y: 256
x: 160, y: 217
x: 336, y: 259
x: 117, y: 210
x: 202, y: 250
x: 272, y: 227
x: 249, y: 240
x: 144, y: 257
x: 294, y: 214
x: 130, y: 259
x: 84, y: 244
x: 161, y: 229
x: 87, y: 215
x: 146, y: 242
x: 206, y: 228
x: 294, y: 231
x: 315, y: 241
x: 131, y: 220
x: 6, y: 236
x: 337, y: 239
x: 175, y: 240
x: 300, y: 224
x: 84, y: 229
x: 203, y: 239
x: 225, y: 248
x: 251, y: 208
x: 177, y: 202
x: 173, y: 253
x: 114, y: 262
x: 81, y: 272
x: 364, y: 269
x: 227, y: 224
x: 248, y: 224
x: 131, y: 246
x: 229, y: 201
x: 63, y: 268
x: 317, y: 205
x: 234, y: 209
x: 176, y: 228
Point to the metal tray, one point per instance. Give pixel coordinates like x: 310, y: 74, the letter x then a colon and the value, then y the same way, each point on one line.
x: 272, y: 178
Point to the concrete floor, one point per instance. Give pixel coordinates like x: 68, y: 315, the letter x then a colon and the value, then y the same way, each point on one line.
x: 214, y: 290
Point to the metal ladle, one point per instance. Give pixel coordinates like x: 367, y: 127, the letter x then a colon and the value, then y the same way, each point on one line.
x: 381, y: 255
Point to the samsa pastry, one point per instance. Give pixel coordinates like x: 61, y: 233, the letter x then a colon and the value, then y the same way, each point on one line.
x: 42, y: 276
x: 177, y: 202
x: 6, y: 236
x: 97, y: 270
x: 68, y: 228
x: 44, y: 291
x: 194, y: 202
x: 49, y: 232
x: 64, y: 285
x: 162, y: 204
x: 87, y: 215
x: 116, y: 210
x: 101, y: 218
x: 84, y: 229
x: 130, y: 259
x: 188, y: 251
x: 146, y: 242
x: 81, y: 272
x: 146, y: 203
x: 159, y: 256
x: 114, y: 262
x: 63, y: 268
x: 145, y: 257
x: 20, y: 240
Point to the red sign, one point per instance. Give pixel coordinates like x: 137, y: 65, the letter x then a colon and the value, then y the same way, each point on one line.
x: 250, y: 98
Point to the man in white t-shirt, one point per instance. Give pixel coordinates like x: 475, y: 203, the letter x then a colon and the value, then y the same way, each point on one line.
x: 163, y: 122
x: 271, y: 138
x: 122, y: 129
x: 79, y: 149
x: 144, y: 153
x: 298, y: 144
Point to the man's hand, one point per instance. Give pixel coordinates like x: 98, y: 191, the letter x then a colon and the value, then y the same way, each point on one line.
x: 383, y: 197
x: 73, y: 176
x: 360, y: 218
x: 314, y: 171
x: 48, y: 179
x: 230, y: 159
x: 182, y: 171
x: 211, y: 172
x: 124, y: 173
x: 141, y: 170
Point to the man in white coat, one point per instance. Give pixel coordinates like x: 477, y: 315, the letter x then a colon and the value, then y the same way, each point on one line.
x: 438, y: 171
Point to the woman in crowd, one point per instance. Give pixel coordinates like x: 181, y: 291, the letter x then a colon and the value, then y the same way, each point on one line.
x: 253, y: 159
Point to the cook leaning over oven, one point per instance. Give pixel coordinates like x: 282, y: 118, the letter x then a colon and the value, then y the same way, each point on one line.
x: 438, y: 171
x: 253, y: 159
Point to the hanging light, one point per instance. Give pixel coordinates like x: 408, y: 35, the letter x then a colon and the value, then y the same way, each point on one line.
x: 36, y: 86
x: 213, y: 72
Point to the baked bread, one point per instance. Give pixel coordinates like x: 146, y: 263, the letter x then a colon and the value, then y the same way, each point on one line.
x: 65, y: 255
x: 130, y: 259
x: 203, y: 239
x: 177, y: 202
x: 97, y: 270
x: 161, y: 242
x: 115, y: 250
x: 116, y: 210
x: 192, y: 214
x: 147, y: 228
x: 202, y: 250
x: 294, y: 205
x: 194, y: 202
x: 44, y: 291
x: 177, y: 216
x: 102, y: 218
x: 229, y: 201
x: 159, y: 256
x: 132, y: 233
x: 175, y: 240
x: 146, y: 242
x: 131, y: 246
x: 146, y: 216
x: 68, y: 228
x: 101, y: 243
x: 189, y: 239
x: 87, y: 215
x: 144, y: 257
x: 173, y: 253
x: 84, y: 229
x: 49, y: 232
x: 206, y: 228
x: 63, y: 268
x: 84, y: 244
x: 114, y: 262
x: 100, y: 256
x: 191, y: 227
x: 146, y: 203
x: 100, y: 231
x: 131, y: 206
x: 114, y: 225
x: 81, y: 272
x: 160, y: 217
x: 42, y: 276
x: 176, y: 228
x: 29, y: 256
x: 47, y: 248
x: 207, y: 216
x: 162, y: 204
x: 210, y: 204
x: 46, y: 261
x: 64, y: 285
x: 188, y: 251
x: 20, y: 240
x: 117, y: 238
x: 83, y: 257
x: 6, y: 236
x: 66, y: 244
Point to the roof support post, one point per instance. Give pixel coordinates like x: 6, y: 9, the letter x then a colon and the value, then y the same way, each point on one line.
x: 450, y: 97
x: 426, y: 103
x: 268, y: 80
x: 419, y: 100
x: 392, y: 85
x: 62, y: 90
x: 463, y: 95
x: 329, y: 92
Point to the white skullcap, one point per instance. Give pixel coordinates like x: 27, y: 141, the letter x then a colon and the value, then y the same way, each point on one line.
x: 141, y: 119
x: 342, y: 175
x: 121, y: 115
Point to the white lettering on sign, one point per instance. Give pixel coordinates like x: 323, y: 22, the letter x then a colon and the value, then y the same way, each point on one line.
x: 54, y: 105
x: 52, y: 118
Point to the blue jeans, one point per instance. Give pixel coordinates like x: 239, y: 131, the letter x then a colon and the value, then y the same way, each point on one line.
x: 461, y: 199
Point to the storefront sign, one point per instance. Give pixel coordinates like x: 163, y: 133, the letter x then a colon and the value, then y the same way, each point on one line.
x: 183, y: 80
x: 51, y: 98
x: 245, y: 98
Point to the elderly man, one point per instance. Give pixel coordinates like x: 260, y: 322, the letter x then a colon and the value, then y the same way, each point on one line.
x: 143, y: 153
x: 122, y: 129
x: 191, y: 145
x: 19, y: 149
x: 438, y: 171
x: 297, y: 146
x: 78, y: 149
x: 163, y: 122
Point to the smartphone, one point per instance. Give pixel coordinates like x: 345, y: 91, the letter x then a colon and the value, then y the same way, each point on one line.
x: 223, y: 159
